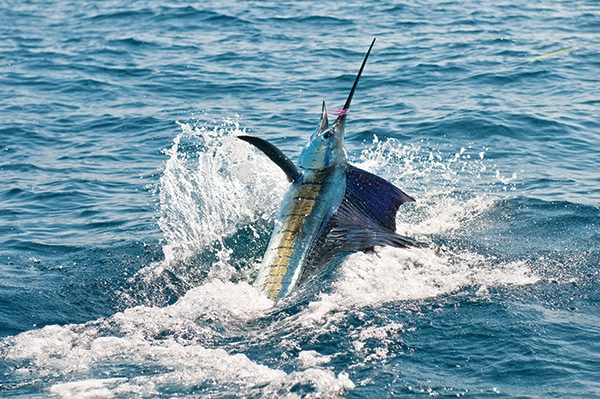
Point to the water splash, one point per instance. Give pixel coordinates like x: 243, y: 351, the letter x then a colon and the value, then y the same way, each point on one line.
x: 452, y: 187
x: 213, y: 184
x: 213, y: 187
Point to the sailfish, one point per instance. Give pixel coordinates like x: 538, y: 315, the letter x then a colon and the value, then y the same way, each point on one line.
x: 331, y: 207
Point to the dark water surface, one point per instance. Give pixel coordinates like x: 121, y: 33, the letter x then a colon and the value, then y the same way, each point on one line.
x: 132, y: 221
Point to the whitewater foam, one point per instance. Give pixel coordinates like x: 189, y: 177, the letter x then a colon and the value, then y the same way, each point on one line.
x: 395, y: 275
x: 172, y: 344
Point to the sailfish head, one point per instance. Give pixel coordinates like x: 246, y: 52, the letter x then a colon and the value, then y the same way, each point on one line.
x: 326, y: 145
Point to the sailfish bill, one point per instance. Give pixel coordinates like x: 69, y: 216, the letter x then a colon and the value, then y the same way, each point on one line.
x: 331, y: 207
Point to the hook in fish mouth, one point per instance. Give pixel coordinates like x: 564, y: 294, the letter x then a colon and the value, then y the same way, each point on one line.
x: 338, y: 112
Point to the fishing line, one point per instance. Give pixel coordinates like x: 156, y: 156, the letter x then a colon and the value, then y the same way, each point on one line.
x: 515, y: 65
x: 338, y: 112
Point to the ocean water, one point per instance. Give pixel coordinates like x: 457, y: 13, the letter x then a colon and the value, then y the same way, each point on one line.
x: 132, y: 221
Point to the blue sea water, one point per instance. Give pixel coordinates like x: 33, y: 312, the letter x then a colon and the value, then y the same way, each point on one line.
x: 132, y: 221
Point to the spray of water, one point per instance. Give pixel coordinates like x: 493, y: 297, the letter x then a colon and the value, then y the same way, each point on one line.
x: 213, y: 186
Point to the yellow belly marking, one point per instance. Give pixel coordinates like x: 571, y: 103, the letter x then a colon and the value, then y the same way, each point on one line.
x: 291, y: 227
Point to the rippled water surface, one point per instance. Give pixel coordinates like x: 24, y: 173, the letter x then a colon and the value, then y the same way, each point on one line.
x: 132, y: 221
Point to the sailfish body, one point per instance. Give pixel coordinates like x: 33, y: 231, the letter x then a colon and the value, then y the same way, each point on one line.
x: 331, y: 207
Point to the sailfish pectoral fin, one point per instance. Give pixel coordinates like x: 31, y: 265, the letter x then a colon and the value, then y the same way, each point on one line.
x: 275, y: 155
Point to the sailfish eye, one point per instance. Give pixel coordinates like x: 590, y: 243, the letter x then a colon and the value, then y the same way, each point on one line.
x: 327, y: 134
